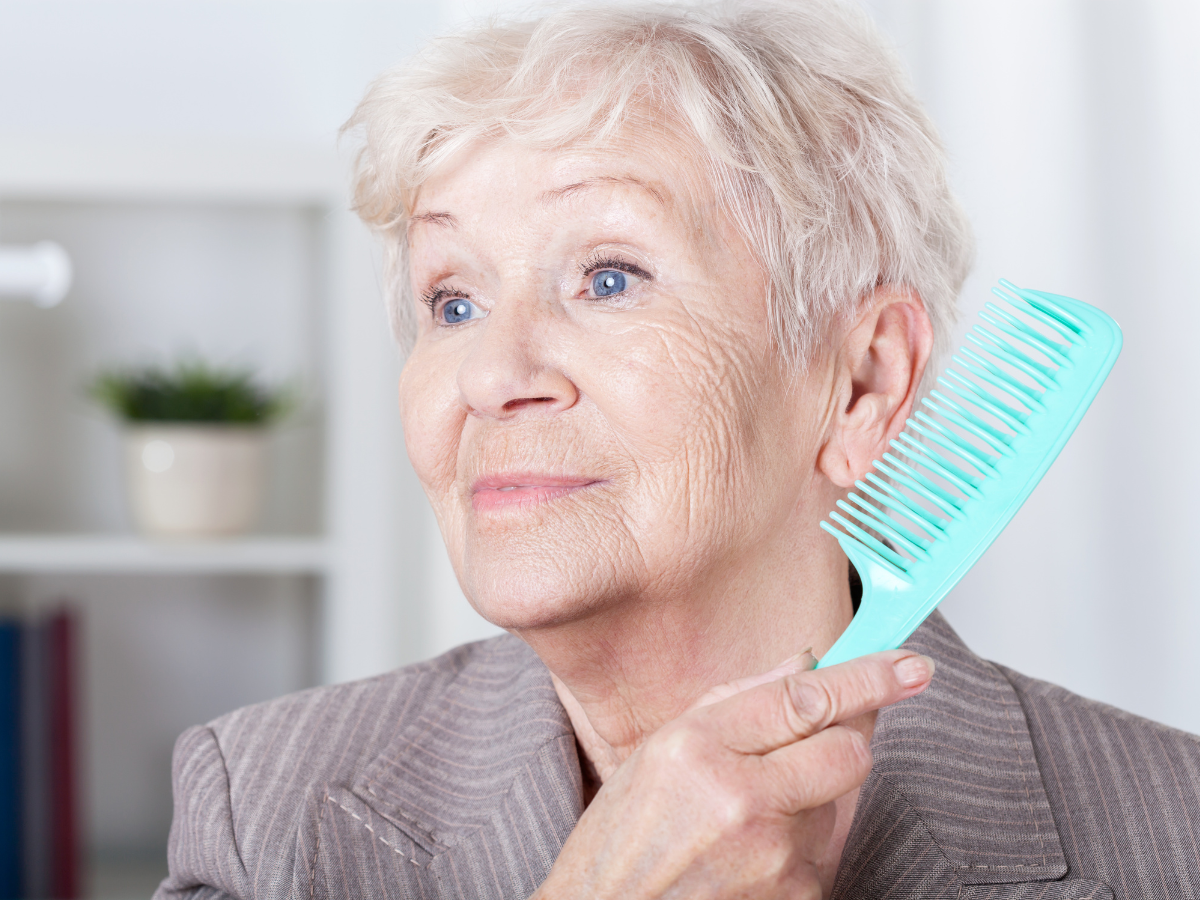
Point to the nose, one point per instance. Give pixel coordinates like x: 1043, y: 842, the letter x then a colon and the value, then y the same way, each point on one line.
x: 512, y: 368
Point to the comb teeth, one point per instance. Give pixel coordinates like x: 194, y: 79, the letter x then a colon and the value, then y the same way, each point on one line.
x: 1014, y: 357
x: 958, y: 440
x: 1012, y: 326
x: 971, y: 454
x: 1044, y: 310
x: 1013, y: 418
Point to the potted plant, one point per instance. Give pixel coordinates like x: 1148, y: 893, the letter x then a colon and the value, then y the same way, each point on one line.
x: 195, y: 445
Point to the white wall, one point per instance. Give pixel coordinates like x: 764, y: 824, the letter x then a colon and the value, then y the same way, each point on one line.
x: 269, y: 70
x: 1071, y: 128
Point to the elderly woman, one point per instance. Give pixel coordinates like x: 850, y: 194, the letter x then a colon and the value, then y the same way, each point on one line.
x: 671, y: 279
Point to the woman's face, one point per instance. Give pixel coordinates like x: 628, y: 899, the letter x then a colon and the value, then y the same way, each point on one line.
x: 594, y: 403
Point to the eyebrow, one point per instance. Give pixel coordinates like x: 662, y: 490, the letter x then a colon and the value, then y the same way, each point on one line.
x: 561, y: 193
x: 443, y: 219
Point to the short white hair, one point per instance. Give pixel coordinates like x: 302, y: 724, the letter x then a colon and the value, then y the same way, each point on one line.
x: 801, y: 114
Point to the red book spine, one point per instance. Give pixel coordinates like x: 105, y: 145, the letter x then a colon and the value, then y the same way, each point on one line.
x: 63, y: 788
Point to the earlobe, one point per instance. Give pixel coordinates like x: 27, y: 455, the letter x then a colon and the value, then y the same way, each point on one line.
x: 877, y: 375
x: 858, y: 439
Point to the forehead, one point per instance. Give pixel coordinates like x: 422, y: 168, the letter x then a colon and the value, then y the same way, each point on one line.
x: 649, y: 168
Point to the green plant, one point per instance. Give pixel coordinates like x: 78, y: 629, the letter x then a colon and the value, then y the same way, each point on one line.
x: 189, y: 391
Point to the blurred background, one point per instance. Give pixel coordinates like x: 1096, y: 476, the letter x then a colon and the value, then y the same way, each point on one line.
x: 184, y: 155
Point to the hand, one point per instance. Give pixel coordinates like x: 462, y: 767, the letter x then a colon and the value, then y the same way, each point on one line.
x: 735, y: 797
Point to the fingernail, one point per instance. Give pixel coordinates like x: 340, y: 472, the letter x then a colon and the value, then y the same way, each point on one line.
x: 914, y: 670
x: 801, y: 662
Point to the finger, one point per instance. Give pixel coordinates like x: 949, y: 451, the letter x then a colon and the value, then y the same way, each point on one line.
x: 801, y: 662
x: 798, y: 706
x: 816, y: 771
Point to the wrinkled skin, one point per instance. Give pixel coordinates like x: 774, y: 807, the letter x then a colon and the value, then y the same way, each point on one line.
x: 668, y: 472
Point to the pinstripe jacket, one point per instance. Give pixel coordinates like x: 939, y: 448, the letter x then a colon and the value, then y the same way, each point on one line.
x: 459, y: 778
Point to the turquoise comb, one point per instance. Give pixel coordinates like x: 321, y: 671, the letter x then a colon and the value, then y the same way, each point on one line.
x: 968, y: 459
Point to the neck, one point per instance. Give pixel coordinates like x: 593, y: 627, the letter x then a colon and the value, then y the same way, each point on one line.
x: 628, y: 669
x: 623, y: 673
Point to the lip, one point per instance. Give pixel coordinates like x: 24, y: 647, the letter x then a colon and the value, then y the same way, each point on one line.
x: 495, y: 492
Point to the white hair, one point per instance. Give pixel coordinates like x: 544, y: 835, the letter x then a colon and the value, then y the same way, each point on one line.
x: 801, y: 114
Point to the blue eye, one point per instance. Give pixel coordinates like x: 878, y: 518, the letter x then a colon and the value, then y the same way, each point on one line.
x: 458, y: 310
x: 608, y: 282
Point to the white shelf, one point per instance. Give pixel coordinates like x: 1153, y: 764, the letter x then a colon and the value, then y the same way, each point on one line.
x: 129, y: 553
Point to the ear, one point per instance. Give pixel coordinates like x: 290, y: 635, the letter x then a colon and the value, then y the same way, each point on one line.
x: 877, y: 372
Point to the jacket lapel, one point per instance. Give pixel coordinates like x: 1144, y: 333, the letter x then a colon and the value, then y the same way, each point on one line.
x: 486, y: 780
x: 483, y: 787
x: 955, y: 805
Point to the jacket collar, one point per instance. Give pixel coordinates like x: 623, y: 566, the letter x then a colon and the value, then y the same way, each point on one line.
x: 955, y: 797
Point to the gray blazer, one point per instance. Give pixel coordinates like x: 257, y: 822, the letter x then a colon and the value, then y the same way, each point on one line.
x: 458, y: 777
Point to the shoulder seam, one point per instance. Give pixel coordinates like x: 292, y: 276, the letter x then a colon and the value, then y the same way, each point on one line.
x: 1065, y: 694
x: 229, y: 796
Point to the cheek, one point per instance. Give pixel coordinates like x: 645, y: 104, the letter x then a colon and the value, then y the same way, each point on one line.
x: 433, y: 420
x: 694, y: 408
x: 676, y: 395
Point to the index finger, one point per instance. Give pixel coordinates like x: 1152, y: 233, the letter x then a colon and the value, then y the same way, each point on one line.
x: 797, y: 706
x: 801, y: 662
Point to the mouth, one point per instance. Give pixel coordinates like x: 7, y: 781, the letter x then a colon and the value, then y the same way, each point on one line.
x: 497, y: 492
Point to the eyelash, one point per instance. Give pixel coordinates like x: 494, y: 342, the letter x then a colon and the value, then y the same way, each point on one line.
x: 590, y: 266
x: 437, y: 294
x: 597, y: 263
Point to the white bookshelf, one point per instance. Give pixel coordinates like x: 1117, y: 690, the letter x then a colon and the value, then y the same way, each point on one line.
x: 369, y: 542
x: 329, y: 589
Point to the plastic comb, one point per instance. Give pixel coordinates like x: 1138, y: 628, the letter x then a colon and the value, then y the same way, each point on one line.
x: 968, y: 458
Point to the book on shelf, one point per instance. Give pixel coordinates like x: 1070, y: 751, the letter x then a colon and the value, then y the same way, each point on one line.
x: 10, y: 760
x: 39, y: 845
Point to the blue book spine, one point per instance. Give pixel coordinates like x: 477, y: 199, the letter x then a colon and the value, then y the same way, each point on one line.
x: 10, y: 761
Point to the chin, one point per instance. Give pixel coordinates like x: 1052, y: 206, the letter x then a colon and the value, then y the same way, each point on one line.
x: 518, y: 588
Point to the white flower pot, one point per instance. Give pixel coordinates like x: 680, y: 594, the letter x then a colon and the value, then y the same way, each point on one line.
x: 195, y: 480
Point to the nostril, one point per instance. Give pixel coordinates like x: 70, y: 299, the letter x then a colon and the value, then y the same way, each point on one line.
x: 513, y: 405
